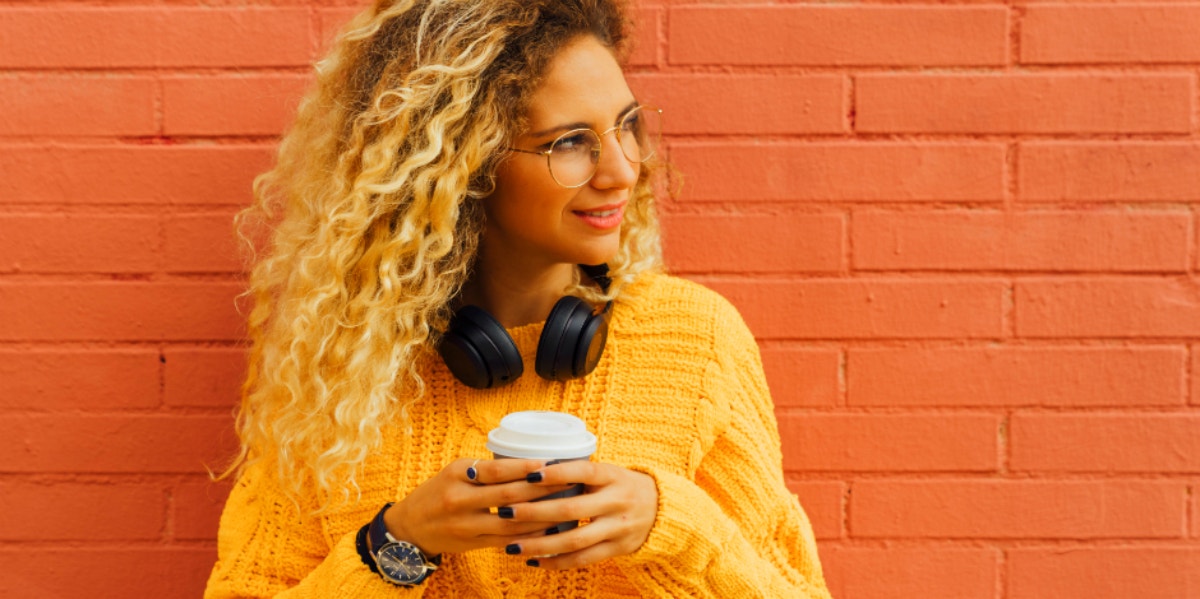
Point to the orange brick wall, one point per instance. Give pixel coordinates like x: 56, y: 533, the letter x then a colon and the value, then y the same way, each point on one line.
x: 965, y: 235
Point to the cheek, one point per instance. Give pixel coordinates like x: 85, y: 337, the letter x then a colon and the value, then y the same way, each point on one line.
x: 526, y: 196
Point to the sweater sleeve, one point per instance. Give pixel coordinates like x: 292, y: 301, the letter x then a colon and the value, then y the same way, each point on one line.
x: 730, y: 528
x: 268, y: 546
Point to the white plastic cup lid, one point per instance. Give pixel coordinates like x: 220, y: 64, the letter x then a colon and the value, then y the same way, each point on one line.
x: 541, y: 435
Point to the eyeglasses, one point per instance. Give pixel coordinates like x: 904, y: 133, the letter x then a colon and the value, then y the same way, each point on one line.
x: 572, y: 157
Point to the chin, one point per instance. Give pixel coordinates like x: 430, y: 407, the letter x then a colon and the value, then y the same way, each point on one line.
x: 598, y: 253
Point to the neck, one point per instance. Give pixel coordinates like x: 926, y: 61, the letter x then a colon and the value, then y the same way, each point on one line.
x: 517, y: 294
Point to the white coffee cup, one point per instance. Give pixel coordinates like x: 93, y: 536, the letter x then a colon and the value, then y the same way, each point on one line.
x: 543, y: 435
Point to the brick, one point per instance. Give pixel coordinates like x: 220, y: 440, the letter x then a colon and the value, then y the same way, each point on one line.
x: 1016, y: 376
x: 204, y: 377
x: 1155, y: 443
x: 115, y: 443
x: 124, y: 37
x: 77, y: 105
x: 78, y: 243
x: 115, y: 174
x: 839, y: 35
x: 891, y: 443
x: 1194, y: 491
x: 647, y: 22
x: 330, y: 22
x: 58, y: 380
x: 201, y: 243
x: 1108, y: 307
x: 841, y: 171
x: 749, y: 104
x: 753, y: 242
x: 196, y: 509
x: 1026, y: 103
x: 1087, y: 572
x: 65, y: 511
x: 1072, y: 34
x: 867, y: 308
x: 119, y: 311
x: 822, y: 503
x: 802, y: 377
x: 1054, y: 241
x: 1195, y: 376
x: 105, y: 572
x: 231, y: 104
x: 1108, y: 171
x: 1017, y: 509
x: 903, y: 573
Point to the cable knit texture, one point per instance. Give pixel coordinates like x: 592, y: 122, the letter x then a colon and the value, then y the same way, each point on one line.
x: 679, y: 394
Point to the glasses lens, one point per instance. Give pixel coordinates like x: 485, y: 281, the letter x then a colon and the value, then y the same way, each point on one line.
x: 573, y: 157
x: 640, y: 133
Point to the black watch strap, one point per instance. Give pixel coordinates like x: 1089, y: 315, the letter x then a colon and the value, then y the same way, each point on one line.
x: 364, y: 552
x: 377, y: 531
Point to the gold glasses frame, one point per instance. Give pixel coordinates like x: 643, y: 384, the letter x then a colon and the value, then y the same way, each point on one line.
x: 599, y: 148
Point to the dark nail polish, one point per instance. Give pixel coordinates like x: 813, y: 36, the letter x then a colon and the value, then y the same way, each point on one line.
x: 533, y: 477
x: 504, y: 512
x: 531, y: 563
x: 513, y: 549
x: 471, y: 473
x: 553, y: 530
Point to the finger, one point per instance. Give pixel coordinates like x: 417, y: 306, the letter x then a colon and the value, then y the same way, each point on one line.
x: 575, y: 471
x: 565, y: 509
x: 488, y: 472
x: 482, y: 498
x: 488, y: 525
x: 572, y: 541
x: 577, y: 559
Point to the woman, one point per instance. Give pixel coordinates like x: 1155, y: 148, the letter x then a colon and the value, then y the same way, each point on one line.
x: 456, y: 165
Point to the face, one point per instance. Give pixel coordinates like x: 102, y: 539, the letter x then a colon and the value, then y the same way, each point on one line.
x: 530, y: 217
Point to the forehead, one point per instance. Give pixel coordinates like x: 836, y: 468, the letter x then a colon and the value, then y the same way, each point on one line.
x: 583, y: 83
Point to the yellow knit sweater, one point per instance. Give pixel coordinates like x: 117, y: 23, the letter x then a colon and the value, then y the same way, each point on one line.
x: 679, y: 395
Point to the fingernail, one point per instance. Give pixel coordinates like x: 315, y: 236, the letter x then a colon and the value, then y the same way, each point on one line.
x: 504, y: 512
x: 533, y: 477
x: 553, y: 530
x: 531, y: 562
x: 513, y: 549
x: 471, y: 473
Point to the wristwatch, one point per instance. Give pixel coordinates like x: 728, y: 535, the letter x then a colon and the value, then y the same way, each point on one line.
x: 398, y: 562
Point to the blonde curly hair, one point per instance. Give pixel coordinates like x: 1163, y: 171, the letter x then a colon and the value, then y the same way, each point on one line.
x: 374, y: 208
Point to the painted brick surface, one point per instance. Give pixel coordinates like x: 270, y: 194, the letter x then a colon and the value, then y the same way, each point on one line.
x: 1017, y: 376
x: 1084, y: 103
x: 906, y: 573
x: 824, y: 505
x: 965, y: 234
x: 1152, y: 571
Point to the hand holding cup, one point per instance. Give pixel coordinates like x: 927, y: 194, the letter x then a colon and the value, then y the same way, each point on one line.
x: 451, y: 513
x: 621, y: 504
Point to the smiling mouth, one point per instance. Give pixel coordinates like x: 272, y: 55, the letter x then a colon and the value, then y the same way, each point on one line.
x: 599, y: 213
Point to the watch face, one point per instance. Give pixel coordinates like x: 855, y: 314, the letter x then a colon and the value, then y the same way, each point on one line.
x: 401, y: 562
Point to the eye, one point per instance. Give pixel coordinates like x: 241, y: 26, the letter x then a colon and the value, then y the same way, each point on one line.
x: 573, y: 144
x: 632, y: 123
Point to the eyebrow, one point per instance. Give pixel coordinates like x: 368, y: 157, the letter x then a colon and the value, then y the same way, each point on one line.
x: 581, y: 125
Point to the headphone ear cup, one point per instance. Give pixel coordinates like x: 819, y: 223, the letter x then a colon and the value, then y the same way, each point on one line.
x: 478, y: 351
x: 560, y: 335
x: 589, y: 346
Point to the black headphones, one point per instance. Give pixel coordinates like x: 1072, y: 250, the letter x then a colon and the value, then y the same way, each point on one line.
x: 480, y: 353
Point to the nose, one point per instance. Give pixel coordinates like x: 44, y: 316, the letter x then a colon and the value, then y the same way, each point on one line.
x: 614, y: 170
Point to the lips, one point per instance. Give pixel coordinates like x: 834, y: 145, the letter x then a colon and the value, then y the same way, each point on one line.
x: 602, y: 217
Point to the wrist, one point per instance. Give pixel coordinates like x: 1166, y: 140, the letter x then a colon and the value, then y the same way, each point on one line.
x: 394, y: 520
x: 398, y: 561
